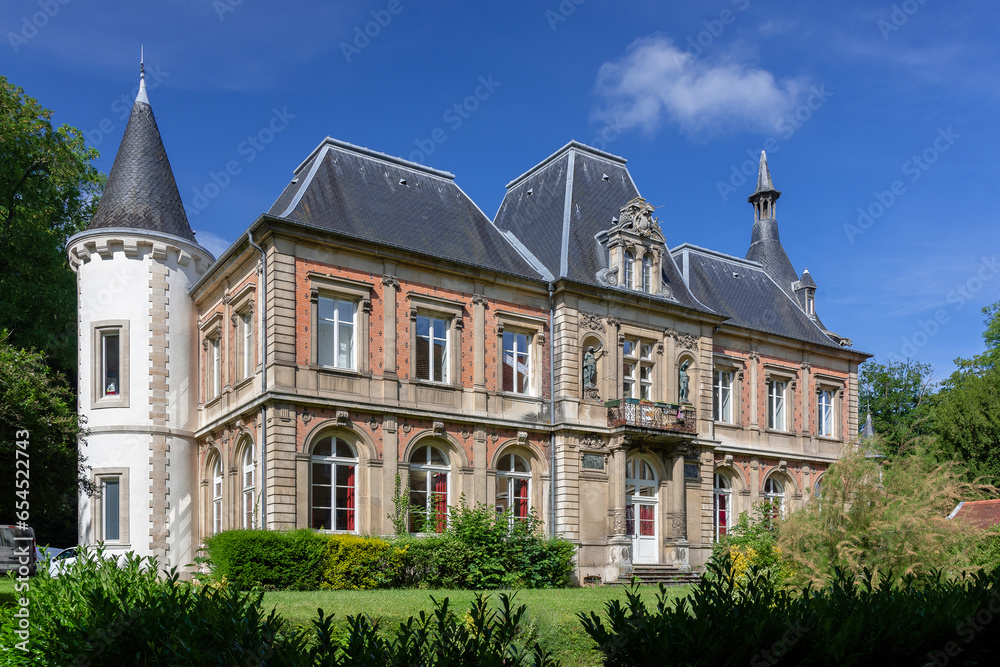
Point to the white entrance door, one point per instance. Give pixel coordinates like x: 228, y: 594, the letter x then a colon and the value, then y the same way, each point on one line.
x: 641, y: 487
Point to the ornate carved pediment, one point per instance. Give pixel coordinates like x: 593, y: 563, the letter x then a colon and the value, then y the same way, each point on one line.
x: 637, y: 216
x: 591, y: 321
x: 684, y: 340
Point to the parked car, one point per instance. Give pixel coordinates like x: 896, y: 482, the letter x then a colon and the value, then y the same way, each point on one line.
x: 65, y: 559
x: 17, y: 550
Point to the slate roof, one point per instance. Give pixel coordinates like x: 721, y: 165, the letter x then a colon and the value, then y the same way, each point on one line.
x: 766, y: 250
x: 141, y: 192
x: 560, y: 208
x: 388, y: 200
x: 744, y: 292
x: 981, y: 514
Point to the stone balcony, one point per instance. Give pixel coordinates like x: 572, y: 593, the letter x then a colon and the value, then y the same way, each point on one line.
x: 652, y: 417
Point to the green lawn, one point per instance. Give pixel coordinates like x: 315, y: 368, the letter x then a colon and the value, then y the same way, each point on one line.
x: 553, y: 612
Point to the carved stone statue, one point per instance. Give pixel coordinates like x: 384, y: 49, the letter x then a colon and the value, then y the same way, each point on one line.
x: 684, y: 380
x: 589, y: 368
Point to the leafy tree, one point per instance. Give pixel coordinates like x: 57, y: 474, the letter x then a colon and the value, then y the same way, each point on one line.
x: 882, y: 516
x: 967, y: 409
x: 898, y: 396
x: 49, y: 190
x: 36, y: 407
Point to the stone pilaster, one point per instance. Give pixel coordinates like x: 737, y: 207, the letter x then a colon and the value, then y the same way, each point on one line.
x: 159, y: 448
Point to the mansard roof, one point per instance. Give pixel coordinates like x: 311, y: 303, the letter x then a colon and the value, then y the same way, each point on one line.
x: 377, y: 197
x: 141, y: 192
x: 562, y: 208
x: 744, y: 291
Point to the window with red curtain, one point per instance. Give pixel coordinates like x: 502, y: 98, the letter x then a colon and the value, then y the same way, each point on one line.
x: 428, y: 490
x: 647, y: 516
x: 630, y: 520
x: 440, y: 501
x: 333, y: 467
x: 520, y: 499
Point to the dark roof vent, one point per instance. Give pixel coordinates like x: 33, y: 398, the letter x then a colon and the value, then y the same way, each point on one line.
x: 736, y: 274
x: 605, y: 177
x: 531, y: 191
x: 295, y: 180
x: 402, y: 181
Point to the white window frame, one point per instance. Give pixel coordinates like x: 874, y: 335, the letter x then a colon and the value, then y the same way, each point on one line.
x: 100, y: 331
x: 647, y: 273
x: 248, y: 480
x: 637, y: 355
x: 334, y: 462
x: 777, y: 404
x: 628, y: 274
x: 825, y: 411
x: 429, y: 469
x: 245, y: 332
x: 433, y: 339
x: 722, y: 395
x: 218, y: 484
x: 722, y: 490
x: 99, y: 509
x: 508, y: 477
x: 516, y: 352
x: 774, y: 490
x: 337, y: 324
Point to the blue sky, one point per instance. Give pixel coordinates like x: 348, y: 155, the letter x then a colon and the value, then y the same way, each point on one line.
x: 880, y: 120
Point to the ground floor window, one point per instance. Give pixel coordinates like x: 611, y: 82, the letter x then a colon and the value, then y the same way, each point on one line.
x: 513, y: 486
x: 774, y: 491
x: 722, y: 505
x: 334, y: 466
x: 217, y: 496
x: 429, y: 472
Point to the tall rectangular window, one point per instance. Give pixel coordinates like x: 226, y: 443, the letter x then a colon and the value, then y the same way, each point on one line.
x: 111, y: 363
x: 112, y: 509
x: 637, y: 370
x: 335, y: 333
x: 216, y: 353
x: 516, y: 363
x: 722, y: 396
x: 824, y: 412
x: 432, y: 349
x: 246, y: 345
x: 776, y: 405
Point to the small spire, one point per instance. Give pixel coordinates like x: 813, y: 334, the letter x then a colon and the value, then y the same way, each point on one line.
x: 764, y: 183
x: 141, y: 97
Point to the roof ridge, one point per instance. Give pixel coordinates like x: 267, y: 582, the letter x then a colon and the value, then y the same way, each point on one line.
x: 378, y: 156
x: 572, y: 145
x: 708, y: 251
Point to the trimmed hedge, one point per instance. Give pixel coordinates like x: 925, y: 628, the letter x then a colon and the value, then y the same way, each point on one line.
x: 479, y: 551
x: 269, y: 559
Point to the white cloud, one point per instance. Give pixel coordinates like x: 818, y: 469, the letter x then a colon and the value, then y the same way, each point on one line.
x: 656, y: 81
x: 213, y: 243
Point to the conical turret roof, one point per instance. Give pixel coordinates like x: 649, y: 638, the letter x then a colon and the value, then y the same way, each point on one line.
x: 141, y: 192
x: 764, y: 183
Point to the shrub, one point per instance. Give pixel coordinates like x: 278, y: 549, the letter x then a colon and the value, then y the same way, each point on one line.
x: 269, y: 559
x: 921, y: 620
x: 357, y: 563
x: 753, y: 542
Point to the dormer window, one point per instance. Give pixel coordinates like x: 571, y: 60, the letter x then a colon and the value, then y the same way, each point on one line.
x: 647, y: 273
x: 627, y: 272
x: 810, y: 303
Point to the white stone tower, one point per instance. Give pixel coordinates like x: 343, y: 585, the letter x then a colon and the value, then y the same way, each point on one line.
x: 138, y: 382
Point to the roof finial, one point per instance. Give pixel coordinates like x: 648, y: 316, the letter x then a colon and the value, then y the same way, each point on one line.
x: 763, y: 175
x: 141, y: 97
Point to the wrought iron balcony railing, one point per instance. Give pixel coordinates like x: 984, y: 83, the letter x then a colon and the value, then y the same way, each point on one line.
x: 633, y: 413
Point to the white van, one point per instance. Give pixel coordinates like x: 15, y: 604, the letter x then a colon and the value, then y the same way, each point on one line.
x: 17, y: 550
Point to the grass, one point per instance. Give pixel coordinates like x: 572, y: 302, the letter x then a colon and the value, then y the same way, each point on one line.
x: 552, y: 611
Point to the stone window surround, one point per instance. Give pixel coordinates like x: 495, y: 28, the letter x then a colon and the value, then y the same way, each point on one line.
x: 835, y: 386
x: 736, y: 366
x: 347, y: 290
x: 97, y: 330
x: 774, y: 373
x: 445, y: 309
x: 211, y: 330
x: 654, y: 340
x: 244, y: 303
x: 536, y: 472
x: 98, y: 475
x: 535, y: 328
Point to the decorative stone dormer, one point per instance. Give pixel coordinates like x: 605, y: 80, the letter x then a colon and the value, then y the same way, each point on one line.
x: 805, y: 292
x: 636, y: 249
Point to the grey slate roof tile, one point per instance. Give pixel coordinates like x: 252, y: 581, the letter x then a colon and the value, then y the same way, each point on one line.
x: 141, y: 192
x: 354, y: 190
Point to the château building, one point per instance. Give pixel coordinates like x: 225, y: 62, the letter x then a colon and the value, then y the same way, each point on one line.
x: 374, y: 324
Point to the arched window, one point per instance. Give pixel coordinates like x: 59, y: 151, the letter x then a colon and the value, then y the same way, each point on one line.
x: 217, y: 495
x: 640, y: 489
x: 628, y: 268
x: 513, y: 486
x: 248, y: 486
x: 428, y: 490
x: 334, y: 474
x: 722, y: 504
x: 647, y: 273
x: 774, y: 491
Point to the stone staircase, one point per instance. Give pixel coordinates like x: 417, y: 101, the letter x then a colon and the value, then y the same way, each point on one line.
x: 668, y: 575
